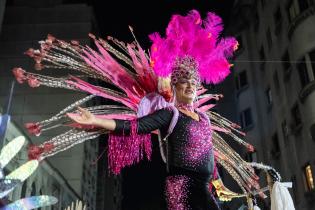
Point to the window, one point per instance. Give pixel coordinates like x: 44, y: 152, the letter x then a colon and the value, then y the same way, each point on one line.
x: 262, y: 58
x: 312, y: 61
x: 278, y: 21
x: 312, y: 131
x: 33, y: 192
x: 246, y: 118
x: 275, y: 151
x: 269, y: 97
x: 269, y: 38
x: 295, y: 189
x: 276, y: 81
x: 292, y: 11
x: 240, y: 43
x: 256, y: 22
x: 309, y: 177
x: 304, y: 4
x: 55, y: 191
x: 241, y: 80
x: 24, y: 188
x: 286, y: 64
x: 296, y: 115
x: 302, y: 69
x: 263, y: 3
x: 285, y: 129
x: 306, y: 68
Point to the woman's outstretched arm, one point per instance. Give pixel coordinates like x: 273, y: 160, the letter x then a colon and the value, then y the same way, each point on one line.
x: 157, y: 120
x: 87, y: 118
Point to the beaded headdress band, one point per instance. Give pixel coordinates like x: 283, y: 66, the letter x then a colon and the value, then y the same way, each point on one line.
x: 185, y: 67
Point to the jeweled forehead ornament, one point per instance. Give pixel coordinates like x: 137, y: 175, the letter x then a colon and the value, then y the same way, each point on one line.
x: 185, y: 67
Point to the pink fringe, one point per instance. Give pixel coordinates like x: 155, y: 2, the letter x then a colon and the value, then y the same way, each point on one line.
x: 127, y: 150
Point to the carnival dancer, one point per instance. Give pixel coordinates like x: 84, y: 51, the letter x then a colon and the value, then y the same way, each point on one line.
x: 190, y: 155
x: 158, y: 91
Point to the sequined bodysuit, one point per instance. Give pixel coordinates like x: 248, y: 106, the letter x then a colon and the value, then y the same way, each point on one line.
x: 190, y: 157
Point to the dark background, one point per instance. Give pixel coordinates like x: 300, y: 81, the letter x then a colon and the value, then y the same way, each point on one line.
x: 151, y: 16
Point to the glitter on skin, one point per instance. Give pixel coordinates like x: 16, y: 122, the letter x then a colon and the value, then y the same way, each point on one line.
x: 176, y: 192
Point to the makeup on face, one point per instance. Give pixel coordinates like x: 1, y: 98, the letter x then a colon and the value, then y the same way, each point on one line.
x: 186, y: 90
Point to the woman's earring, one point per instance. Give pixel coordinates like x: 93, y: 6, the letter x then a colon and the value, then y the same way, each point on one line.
x: 174, y: 95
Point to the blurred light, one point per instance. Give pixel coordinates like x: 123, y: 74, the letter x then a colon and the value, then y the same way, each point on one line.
x: 309, y: 177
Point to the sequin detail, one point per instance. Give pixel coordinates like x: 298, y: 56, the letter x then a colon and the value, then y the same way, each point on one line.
x: 176, y: 192
x: 199, y: 145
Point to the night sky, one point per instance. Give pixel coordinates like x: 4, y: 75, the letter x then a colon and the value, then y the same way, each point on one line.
x: 150, y: 16
x: 143, y: 184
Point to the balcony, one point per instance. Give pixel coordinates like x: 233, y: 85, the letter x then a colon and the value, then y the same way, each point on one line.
x: 300, y: 18
x: 306, y: 91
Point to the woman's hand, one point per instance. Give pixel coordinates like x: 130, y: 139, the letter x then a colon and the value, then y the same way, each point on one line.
x: 85, y: 117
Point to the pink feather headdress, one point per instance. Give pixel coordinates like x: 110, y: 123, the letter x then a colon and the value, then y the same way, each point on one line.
x: 191, y: 36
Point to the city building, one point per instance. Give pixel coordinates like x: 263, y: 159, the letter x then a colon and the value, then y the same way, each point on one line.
x: 274, y: 76
x: 22, y: 25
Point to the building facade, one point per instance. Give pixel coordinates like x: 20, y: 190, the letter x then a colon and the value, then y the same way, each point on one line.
x: 274, y: 79
x: 46, y: 180
x: 23, y: 24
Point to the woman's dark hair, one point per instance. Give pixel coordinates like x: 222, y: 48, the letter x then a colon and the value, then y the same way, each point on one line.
x: 274, y: 175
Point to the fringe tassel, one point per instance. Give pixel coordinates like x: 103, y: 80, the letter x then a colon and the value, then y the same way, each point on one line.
x: 127, y: 150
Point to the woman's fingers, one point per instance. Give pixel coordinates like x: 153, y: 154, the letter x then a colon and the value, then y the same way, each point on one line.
x: 83, y: 116
x: 81, y: 109
x: 74, y: 117
x: 84, y: 112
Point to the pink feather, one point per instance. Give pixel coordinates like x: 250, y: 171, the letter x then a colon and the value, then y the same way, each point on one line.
x: 206, y: 107
x: 203, y: 100
x: 189, y: 35
x: 85, y: 86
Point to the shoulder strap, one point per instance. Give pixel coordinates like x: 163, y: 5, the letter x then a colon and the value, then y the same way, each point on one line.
x: 163, y: 143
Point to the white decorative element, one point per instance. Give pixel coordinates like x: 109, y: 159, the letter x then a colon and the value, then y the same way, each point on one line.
x: 256, y: 208
x: 78, y: 205
x: 24, y: 171
x: 10, y: 150
x: 265, y: 167
x: 280, y: 196
x: 33, y: 202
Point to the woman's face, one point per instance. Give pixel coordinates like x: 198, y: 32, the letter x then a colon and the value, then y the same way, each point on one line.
x: 185, y: 90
